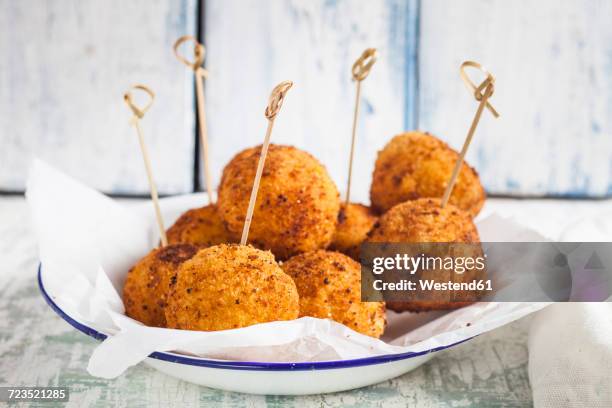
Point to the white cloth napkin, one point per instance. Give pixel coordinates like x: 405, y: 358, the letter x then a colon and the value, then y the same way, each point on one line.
x: 570, y: 344
x: 570, y: 355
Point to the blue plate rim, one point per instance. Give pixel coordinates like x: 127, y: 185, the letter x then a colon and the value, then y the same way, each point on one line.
x: 243, y: 365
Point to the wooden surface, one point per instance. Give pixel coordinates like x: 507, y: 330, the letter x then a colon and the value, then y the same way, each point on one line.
x: 38, y: 348
x: 551, y: 59
x: 490, y: 370
x: 252, y: 45
x: 552, y: 62
x: 64, y: 66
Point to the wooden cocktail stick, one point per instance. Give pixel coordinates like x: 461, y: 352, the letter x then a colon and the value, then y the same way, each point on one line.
x: 482, y: 93
x: 361, y: 69
x: 135, y: 120
x: 200, y: 73
x: 274, y: 104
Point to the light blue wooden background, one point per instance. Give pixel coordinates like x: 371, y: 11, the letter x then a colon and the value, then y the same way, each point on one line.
x: 64, y: 66
x: 553, y: 63
x: 552, y: 60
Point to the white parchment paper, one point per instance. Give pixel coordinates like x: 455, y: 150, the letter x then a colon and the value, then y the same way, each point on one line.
x: 88, y: 242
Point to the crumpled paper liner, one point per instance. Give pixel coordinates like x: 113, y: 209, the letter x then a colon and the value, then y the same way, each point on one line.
x: 88, y: 242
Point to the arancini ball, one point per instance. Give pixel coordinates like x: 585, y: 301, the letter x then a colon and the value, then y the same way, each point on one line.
x: 297, y: 204
x: 230, y: 286
x: 354, y: 223
x: 418, y: 165
x: 329, y: 285
x: 200, y: 226
x: 146, y: 287
x: 423, y: 221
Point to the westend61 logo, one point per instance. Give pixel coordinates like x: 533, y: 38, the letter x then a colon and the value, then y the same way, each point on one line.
x: 413, y: 265
x: 502, y: 271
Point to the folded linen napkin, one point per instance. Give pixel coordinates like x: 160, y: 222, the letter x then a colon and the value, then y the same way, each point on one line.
x: 570, y: 344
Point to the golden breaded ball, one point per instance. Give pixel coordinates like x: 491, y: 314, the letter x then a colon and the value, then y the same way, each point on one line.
x: 230, y: 286
x: 423, y: 220
x: 147, y: 284
x: 329, y: 284
x: 354, y: 223
x: 418, y: 165
x: 297, y: 204
x: 199, y: 226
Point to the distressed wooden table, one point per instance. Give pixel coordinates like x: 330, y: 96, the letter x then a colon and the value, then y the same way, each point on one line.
x: 37, y: 348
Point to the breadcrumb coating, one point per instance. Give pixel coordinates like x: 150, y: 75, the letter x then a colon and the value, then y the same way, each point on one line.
x: 200, y: 226
x: 421, y: 221
x: 329, y: 284
x: 418, y: 165
x: 230, y: 286
x: 297, y: 204
x: 354, y: 223
x: 146, y: 288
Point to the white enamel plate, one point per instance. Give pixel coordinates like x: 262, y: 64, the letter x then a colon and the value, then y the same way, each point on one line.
x: 269, y: 378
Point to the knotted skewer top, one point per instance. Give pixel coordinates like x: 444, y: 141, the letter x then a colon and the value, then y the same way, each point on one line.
x: 200, y: 74
x: 277, y: 96
x: 199, y: 52
x: 129, y: 100
x: 363, y: 65
x: 274, y: 104
x: 482, y: 93
x: 360, y: 71
x: 135, y: 121
x: 485, y: 89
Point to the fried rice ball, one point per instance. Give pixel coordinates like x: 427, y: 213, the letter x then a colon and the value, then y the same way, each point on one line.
x: 418, y: 165
x: 201, y: 226
x: 424, y: 221
x: 230, y: 286
x: 146, y: 288
x: 329, y: 284
x: 354, y: 223
x: 297, y: 204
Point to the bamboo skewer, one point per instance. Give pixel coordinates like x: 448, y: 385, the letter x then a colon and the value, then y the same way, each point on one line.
x: 482, y: 93
x: 274, y: 104
x: 135, y: 121
x: 361, y: 69
x: 200, y: 73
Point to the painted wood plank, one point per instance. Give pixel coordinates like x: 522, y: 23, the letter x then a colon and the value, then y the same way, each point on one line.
x: 553, y: 63
x: 64, y: 66
x: 253, y: 45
